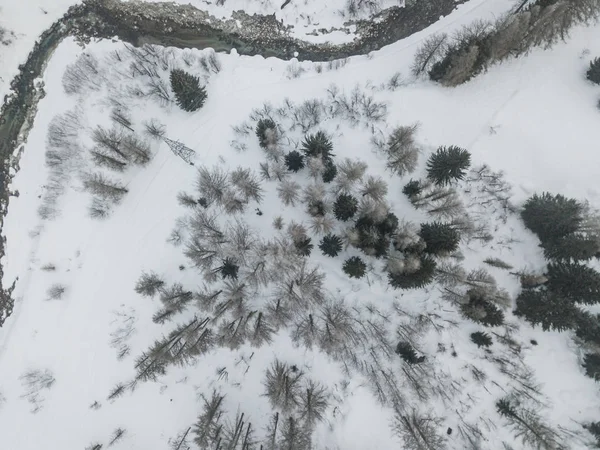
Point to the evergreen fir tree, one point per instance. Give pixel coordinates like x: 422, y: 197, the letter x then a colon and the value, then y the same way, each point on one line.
x: 414, y: 280
x: 345, y: 207
x: 229, y: 269
x: 575, y: 246
x: 408, y: 353
x: 481, y: 339
x: 545, y: 308
x: 331, y: 245
x: 262, y: 134
x: 552, y: 217
x: 294, y: 161
x: 318, y: 145
x: 588, y: 328
x: 448, y: 164
x: 330, y: 172
x: 189, y: 94
x: 593, y: 73
x: 388, y: 225
x: 304, y: 246
x: 440, y: 238
x: 591, y: 364
x: 577, y: 282
x: 354, y: 267
x: 412, y: 188
x: 481, y: 310
x: 594, y: 429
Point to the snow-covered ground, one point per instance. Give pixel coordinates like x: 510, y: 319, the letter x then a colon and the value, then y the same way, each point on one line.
x: 534, y: 118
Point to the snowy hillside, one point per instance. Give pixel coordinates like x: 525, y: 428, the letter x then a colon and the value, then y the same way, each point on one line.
x: 173, y: 288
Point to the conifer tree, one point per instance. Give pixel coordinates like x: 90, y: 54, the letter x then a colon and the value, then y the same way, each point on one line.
x: 414, y: 280
x: 265, y: 128
x: 543, y: 307
x: 149, y: 284
x: 481, y: 339
x: 283, y: 385
x: 577, y: 282
x: 408, y: 353
x: 412, y: 189
x: 448, y: 164
x: 591, y: 364
x: 482, y: 310
x: 354, y: 267
x: 593, y: 73
x: 588, y: 328
x: 331, y: 245
x: 440, y: 238
x: 330, y: 172
x: 294, y: 161
x: 318, y: 145
x: 552, y: 217
x: 303, y: 246
x: 189, y: 94
x: 528, y: 425
x: 575, y: 246
x: 345, y: 207
x: 229, y: 268
x: 208, y: 430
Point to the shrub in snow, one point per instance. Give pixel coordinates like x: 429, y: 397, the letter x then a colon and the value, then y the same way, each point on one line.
x: 440, y: 238
x: 330, y: 172
x: 117, y: 435
x: 294, y: 161
x: 577, y: 282
x: 331, y: 245
x: 149, y: 284
x: 481, y: 339
x: 402, y: 150
x: 283, y: 384
x: 481, y: 310
x: 318, y: 145
x: 345, y: 207
x: 552, y: 217
x: 189, y: 94
x: 448, y: 164
x: 593, y: 73
x: 414, y: 279
x: 354, y: 267
x: 56, y: 291
x: 408, y: 353
x: 303, y: 246
x: 545, y: 308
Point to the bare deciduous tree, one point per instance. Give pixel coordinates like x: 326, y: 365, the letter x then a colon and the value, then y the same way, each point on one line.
x: 283, y: 385
x: 99, y: 185
x: 430, y: 52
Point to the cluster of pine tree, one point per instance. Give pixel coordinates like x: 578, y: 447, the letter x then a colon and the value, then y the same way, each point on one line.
x: 570, y: 236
